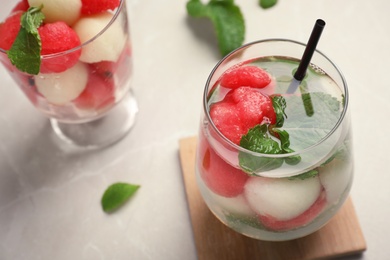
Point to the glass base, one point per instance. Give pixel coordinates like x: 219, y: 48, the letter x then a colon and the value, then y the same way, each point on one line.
x: 101, y: 132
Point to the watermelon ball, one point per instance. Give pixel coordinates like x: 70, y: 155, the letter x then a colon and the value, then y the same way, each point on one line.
x: 219, y: 176
x: 9, y: 30
x: 110, y: 68
x: 107, y: 46
x: 303, y: 219
x: 99, y: 93
x: 283, y: 204
x: 227, y: 120
x: 240, y: 110
x: 105, y: 68
x: 249, y: 76
x: 67, y: 11
x: 98, y: 6
x: 254, y: 107
x: 61, y: 88
x: 58, y: 37
x: 21, y: 6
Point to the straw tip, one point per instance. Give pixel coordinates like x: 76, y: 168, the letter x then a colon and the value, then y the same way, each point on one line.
x: 320, y: 22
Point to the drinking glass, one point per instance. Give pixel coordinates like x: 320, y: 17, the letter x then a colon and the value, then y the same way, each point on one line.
x: 90, y: 104
x: 283, y: 196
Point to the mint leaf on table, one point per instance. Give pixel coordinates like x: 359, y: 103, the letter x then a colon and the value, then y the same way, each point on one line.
x: 227, y: 20
x: 25, y: 52
x: 117, y: 194
x: 267, y: 3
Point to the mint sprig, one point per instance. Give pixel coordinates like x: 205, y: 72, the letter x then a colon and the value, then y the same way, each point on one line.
x: 117, y: 194
x: 227, y: 20
x: 259, y: 140
x: 267, y: 139
x: 25, y: 52
x: 306, y: 129
x: 303, y: 129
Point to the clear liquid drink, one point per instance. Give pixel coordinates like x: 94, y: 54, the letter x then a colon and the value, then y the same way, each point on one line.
x: 271, y: 164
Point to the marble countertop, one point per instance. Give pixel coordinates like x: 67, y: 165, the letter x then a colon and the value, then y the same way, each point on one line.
x: 50, y: 197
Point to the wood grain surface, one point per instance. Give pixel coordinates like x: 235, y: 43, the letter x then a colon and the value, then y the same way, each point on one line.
x: 341, y: 236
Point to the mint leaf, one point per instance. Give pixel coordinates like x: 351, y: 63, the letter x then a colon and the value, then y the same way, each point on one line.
x: 227, y: 20
x: 263, y: 139
x: 32, y: 19
x: 117, y: 194
x: 237, y: 221
x: 305, y: 130
x: 279, y: 104
x: 285, y: 146
x: 305, y: 175
x: 25, y: 52
x: 267, y: 3
x: 258, y: 140
x: 307, y: 104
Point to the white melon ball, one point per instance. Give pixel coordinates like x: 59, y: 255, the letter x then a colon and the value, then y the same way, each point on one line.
x: 107, y: 46
x: 282, y: 198
x: 60, y: 88
x: 335, y: 177
x: 233, y: 205
x: 67, y: 11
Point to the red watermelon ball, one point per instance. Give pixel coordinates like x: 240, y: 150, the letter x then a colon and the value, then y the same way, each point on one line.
x: 21, y: 6
x: 219, y: 176
x: 56, y: 38
x: 240, y: 110
x: 245, y: 76
x: 99, y: 93
x: 9, y: 29
x: 98, y: 6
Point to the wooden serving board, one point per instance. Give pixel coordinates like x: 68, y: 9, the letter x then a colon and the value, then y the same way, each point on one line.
x: 340, y: 237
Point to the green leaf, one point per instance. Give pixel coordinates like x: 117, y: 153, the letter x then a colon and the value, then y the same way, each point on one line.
x: 227, y: 20
x: 267, y: 3
x: 285, y: 146
x: 279, y: 104
x: 237, y: 221
x: 305, y: 175
x: 305, y: 130
x: 307, y: 104
x: 32, y: 19
x: 117, y: 194
x: 258, y: 140
x: 25, y: 52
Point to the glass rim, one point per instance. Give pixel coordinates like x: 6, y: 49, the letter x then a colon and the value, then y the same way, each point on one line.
x: 113, y: 19
x: 257, y: 154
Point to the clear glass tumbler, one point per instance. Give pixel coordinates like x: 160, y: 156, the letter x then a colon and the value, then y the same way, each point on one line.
x: 85, y: 91
x: 270, y: 165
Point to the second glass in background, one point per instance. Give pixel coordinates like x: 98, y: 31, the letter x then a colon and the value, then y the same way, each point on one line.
x: 86, y: 90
